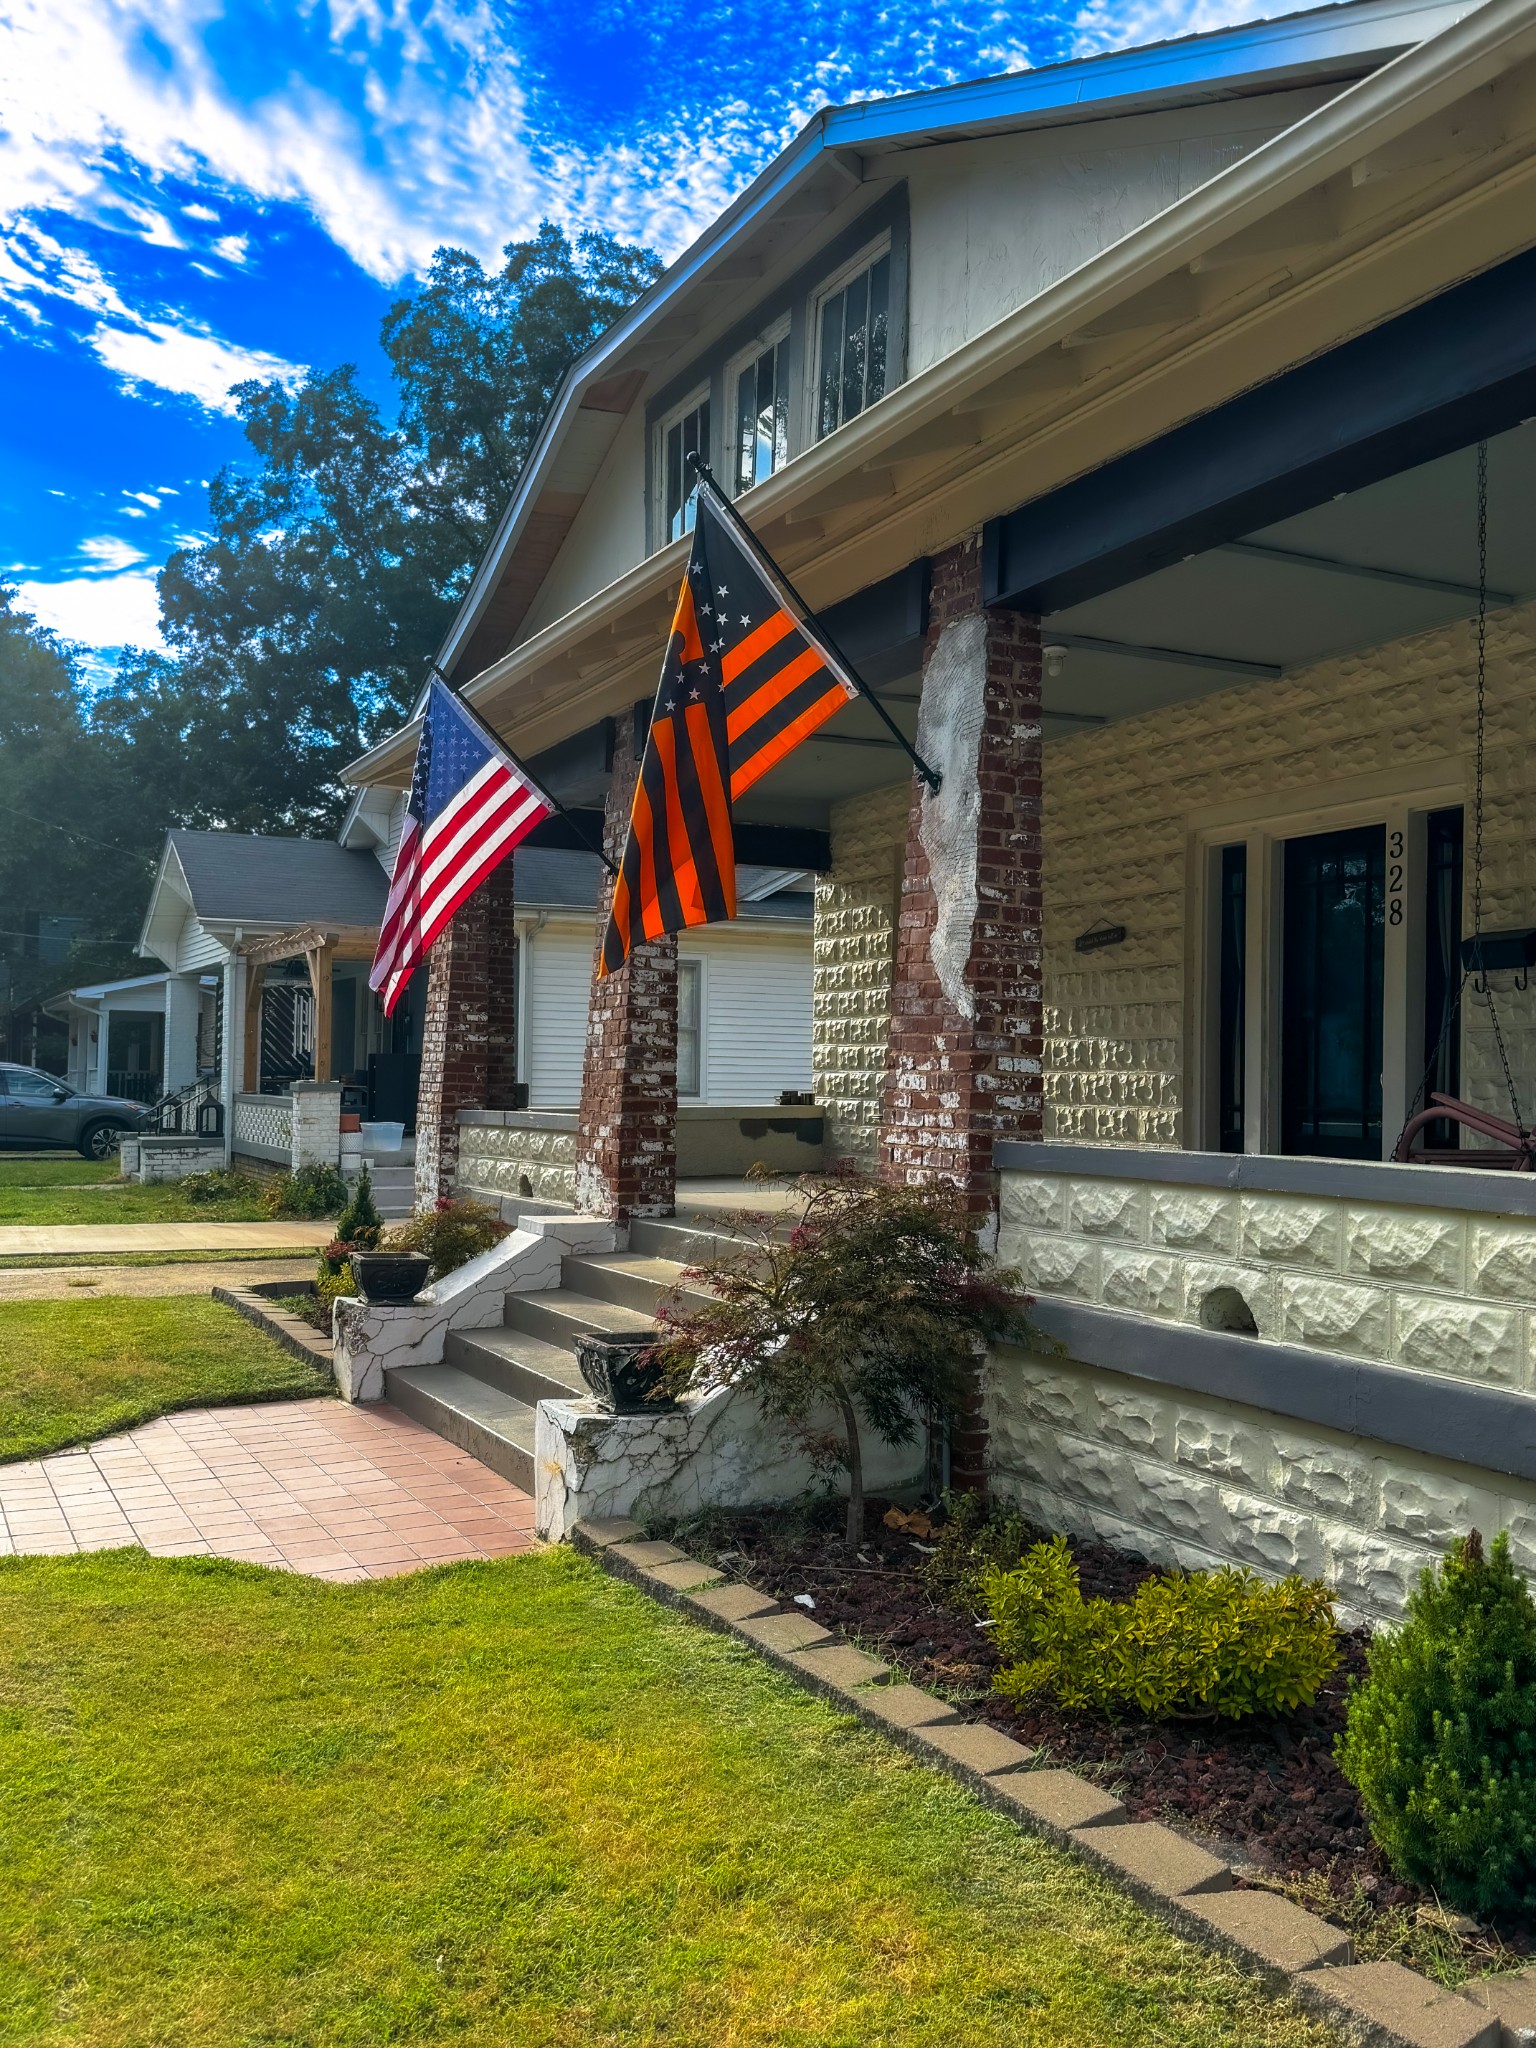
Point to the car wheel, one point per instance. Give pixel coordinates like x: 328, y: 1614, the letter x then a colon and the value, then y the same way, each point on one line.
x: 100, y: 1141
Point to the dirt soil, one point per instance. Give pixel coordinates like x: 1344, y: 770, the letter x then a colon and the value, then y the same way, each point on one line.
x: 1268, y: 1794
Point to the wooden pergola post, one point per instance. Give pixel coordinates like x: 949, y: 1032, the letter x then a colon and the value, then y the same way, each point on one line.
x: 255, y: 976
x: 318, y: 959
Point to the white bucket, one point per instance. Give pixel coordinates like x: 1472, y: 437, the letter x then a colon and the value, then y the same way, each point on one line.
x: 383, y: 1137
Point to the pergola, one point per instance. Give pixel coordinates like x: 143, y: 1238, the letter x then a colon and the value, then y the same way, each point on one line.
x: 320, y: 947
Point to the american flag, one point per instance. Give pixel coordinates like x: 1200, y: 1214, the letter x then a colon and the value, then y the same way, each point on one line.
x: 747, y: 677
x: 469, y: 806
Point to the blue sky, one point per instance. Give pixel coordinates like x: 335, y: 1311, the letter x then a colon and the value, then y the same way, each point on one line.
x: 198, y: 191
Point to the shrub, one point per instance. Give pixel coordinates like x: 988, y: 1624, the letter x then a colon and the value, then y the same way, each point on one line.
x: 1441, y: 1736
x: 976, y: 1533
x: 312, y: 1191
x: 872, y: 1309
x: 223, y: 1184
x: 360, y: 1224
x: 1224, y: 1643
x: 451, y: 1234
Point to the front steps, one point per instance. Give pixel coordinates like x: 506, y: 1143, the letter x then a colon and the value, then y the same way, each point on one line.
x: 482, y: 1397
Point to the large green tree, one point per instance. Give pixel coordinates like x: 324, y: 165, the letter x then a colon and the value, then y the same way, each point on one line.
x: 300, y: 630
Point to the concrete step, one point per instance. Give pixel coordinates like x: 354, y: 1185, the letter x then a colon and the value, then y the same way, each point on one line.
x: 528, y: 1368
x: 491, y: 1425
x: 632, y: 1279
x: 559, y: 1315
x: 682, y: 1243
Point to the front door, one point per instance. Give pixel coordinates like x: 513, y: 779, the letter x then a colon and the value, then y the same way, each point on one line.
x: 1330, y: 1036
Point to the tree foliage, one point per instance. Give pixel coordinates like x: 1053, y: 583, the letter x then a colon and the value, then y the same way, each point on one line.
x: 870, y: 1311
x: 1441, y: 1737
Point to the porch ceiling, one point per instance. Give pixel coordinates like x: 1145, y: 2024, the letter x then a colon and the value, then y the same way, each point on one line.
x: 1395, y: 558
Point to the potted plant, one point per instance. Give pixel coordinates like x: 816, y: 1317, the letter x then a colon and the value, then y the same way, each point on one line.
x: 623, y: 1371
x: 390, y: 1277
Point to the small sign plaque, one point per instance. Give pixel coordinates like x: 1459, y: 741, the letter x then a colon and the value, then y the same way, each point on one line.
x: 1099, y: 935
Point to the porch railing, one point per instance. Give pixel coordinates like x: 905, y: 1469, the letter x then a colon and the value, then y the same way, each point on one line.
x: 133, y: 1086
x: 264, y: 1127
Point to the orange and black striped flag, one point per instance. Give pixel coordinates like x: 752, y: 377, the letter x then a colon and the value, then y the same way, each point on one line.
x: 746, y: 679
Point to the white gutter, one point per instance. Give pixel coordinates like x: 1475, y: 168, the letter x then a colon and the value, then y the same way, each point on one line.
x: 1474, y: 51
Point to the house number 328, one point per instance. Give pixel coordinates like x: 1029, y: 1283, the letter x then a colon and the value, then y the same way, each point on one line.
x: 1394, y: 878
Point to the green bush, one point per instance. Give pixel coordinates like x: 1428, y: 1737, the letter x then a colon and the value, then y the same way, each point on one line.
x: 1441, y: 1735
x: 976, y: 1533
x: 360, y: 1224
x: 223, y: 1184
x: 312, y: 1191
x: 451, y: 1234
x: 1202, y: 1644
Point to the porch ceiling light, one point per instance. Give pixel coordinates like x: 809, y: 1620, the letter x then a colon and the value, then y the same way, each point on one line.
x: 1055, y: 657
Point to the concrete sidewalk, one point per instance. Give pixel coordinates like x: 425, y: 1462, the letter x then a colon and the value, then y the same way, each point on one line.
x: 73, y: 1240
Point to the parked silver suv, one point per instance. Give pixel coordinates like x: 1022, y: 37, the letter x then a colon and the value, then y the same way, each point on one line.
x: 39, y: 1112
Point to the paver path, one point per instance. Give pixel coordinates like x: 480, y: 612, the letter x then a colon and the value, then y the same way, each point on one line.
x: 68, y: 1283
x: 310, y: 1486
x: 19, y: 1240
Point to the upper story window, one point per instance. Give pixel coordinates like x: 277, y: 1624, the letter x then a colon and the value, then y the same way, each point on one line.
x: 758, y: 385
x: 852, y: 332
x: 684, y: 432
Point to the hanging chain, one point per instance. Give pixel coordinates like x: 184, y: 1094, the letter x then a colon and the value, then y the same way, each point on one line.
x: 1477, y: 809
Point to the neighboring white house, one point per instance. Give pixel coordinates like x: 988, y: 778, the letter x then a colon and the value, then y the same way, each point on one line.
x: 117, y: 1034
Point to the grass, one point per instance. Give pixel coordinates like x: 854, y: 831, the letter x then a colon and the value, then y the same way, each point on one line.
x: 512, y: 1802
x: 117, y: 1201
x: 74, y: 1370
x: 48, y: 1170
x: 224, y: 1255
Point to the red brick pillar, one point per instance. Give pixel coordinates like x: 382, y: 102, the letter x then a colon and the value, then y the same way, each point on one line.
x: 626, y: 1144
x: 469, y: 1031
x: 964, y: 1065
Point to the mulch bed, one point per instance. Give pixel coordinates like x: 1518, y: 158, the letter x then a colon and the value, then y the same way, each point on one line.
x: 1267, y: 1791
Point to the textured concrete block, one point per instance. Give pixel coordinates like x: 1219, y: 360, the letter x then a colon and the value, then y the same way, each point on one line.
x: 1286, y: 1231
x: 1030, y: 1202
x: 735, y: 1602
x: 1405, y: 1244
x: 1138, y: 1421
x: 784, y: 1632
x: 839, y: 1667
x: 1060, y: 1800
x: 1437, y: 1334
x: 1107, y: 1208
x: 976, y: 1747
x: 1430, y: 1508
x: 1148, y: 1283
x: 649, y: 1555
x: 1270, y: 1931
x: 1155, y: 1860
x: 1405, y: 2006
x: 1192, y: 1220
x: 1503, y: 1261
x: 1334, y: 1315
x: 1209, y: 1286
x: 602, y: 1534
x: 685, y: 1577
x: 1512, y: 2001
x: 903, y: 1707
x: 1063, y: 1265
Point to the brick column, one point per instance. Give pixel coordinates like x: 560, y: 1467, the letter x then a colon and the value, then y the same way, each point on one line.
x: 964, y: 1065
x: 626, y: 1144
x: 469, y: 1029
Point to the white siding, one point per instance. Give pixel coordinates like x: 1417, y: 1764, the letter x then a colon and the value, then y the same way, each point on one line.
x: 756, y: 1014
x: 198, y: 948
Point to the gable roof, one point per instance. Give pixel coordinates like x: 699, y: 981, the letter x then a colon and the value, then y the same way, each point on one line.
x: 245, y: 878
x: 1322, y: 46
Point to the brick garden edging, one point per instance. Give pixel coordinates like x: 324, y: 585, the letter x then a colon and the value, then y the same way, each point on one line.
x: 1380, y: 2005
x: 295, y: 1335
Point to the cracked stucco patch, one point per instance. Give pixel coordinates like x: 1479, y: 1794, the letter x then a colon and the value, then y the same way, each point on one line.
x: 949, y: 728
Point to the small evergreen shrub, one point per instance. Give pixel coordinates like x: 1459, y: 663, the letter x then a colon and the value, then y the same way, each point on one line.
x: 223, y: 1184
x: 451, y: 1235
x: 360, y: 1224
x: 1440, y: 1740
x: 1189, y: 1644
x: 312, y: 1191
x: 977, y: 1532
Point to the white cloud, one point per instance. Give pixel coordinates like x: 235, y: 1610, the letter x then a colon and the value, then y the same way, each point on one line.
x: 233, y: 248
x: 180, y: 359
x: 200, y: 213
x: 101, y: 611
x: 145, y: 498
x: 107, y: 551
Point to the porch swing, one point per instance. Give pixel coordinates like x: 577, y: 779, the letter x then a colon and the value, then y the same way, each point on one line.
x: 1484, y: 953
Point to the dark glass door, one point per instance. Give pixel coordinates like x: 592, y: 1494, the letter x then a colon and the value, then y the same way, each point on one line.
x: 1330, y: 1090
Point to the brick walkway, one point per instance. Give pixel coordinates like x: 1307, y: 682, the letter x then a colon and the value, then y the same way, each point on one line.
x: 309, y: 1486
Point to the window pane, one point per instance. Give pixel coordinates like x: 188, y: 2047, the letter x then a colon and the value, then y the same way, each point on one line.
x: 879, y: 306
x: 831, y: 363
x: 762, y: 452
x: 855, y: 345
x: 674, y: 481
x: 688, y: 980
x: 746, y: 429
x: 781, y: 405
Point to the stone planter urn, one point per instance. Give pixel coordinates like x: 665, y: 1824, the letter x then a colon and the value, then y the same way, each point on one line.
x: 391, y: 1278
x: 622, y: 1374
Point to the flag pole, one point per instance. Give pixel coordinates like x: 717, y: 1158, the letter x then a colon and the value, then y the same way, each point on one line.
x: 531, y: 779
x: 706, y: 476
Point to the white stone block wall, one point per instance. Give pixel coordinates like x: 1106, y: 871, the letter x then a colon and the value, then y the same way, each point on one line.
x: 1186, y: 1477
x: 855, y: 956
x: 316, y: 1123
x: 172, y: 1158
x: 1117, y: 804
x: 529, y: 1154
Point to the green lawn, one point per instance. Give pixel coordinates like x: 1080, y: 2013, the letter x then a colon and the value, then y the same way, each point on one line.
x: 116, y: 1201
x: 512, y: 1803
x: 48, y: 1170
x: 73, y: 1370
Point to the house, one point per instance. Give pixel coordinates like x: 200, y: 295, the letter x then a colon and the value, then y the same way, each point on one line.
x: 116, y: 1035
x: 1123, y: 419
x: 269, y: 942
